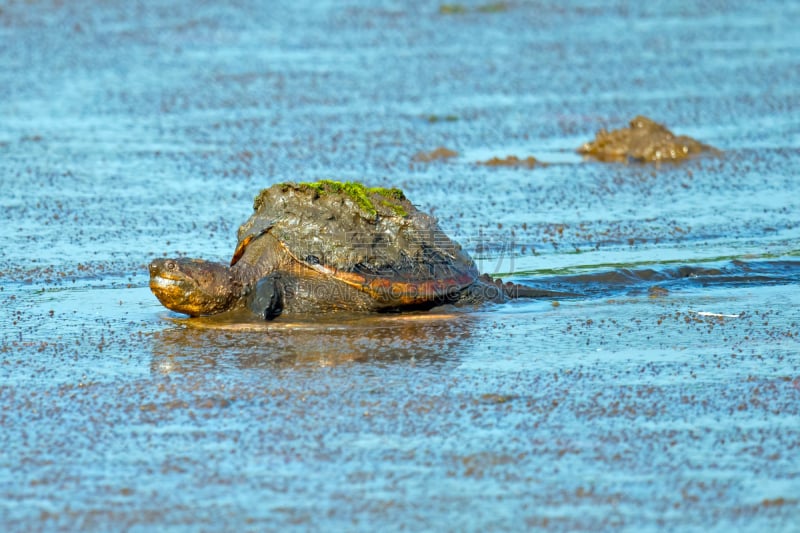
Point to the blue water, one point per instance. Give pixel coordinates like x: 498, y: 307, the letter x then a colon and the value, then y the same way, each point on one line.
x: 657, y: 401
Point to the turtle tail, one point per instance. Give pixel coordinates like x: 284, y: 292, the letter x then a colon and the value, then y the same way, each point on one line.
x: 511, y: 290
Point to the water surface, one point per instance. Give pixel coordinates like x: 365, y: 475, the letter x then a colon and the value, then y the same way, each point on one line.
x: 666, y: 397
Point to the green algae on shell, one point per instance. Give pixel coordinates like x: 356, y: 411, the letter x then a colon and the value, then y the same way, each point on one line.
x: 433, y: 119
x: 364, y: 197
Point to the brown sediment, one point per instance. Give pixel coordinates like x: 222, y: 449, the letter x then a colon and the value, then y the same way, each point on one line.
x: 433, y: 119
x: 452, y: 9
x: 657, y: 292
x: 495, y: 7
x: 512, y: 161
x: 645, y: 141
x: 438, y: 154
x: 459, y: 9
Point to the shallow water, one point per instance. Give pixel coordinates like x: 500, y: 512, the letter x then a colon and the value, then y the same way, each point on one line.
x: 665, y: 397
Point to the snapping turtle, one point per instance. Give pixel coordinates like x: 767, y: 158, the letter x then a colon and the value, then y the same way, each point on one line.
x: 327, y: 246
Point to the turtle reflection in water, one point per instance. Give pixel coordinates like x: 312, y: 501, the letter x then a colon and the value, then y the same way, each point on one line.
x: 331, y: 246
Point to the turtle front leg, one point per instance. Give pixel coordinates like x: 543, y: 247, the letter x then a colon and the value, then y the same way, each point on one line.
x: 267, y: 297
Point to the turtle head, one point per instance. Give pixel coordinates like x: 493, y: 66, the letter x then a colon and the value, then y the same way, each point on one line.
x: 193, y: 286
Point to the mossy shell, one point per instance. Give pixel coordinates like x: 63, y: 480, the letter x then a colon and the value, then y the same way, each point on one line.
x: 367, y: 237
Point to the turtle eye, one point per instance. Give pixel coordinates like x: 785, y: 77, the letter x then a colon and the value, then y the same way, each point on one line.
x: 171, y: 265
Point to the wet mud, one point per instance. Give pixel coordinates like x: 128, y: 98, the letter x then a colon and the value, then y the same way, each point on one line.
x: 664, y: 397
x: 438, y: 154
x: 643, y: 141
x: 512, y: 161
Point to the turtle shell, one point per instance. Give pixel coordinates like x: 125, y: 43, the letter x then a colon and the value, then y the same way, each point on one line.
x: 370, y: 238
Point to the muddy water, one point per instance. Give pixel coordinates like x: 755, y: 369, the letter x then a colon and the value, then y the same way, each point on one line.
x: 664, y: 398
